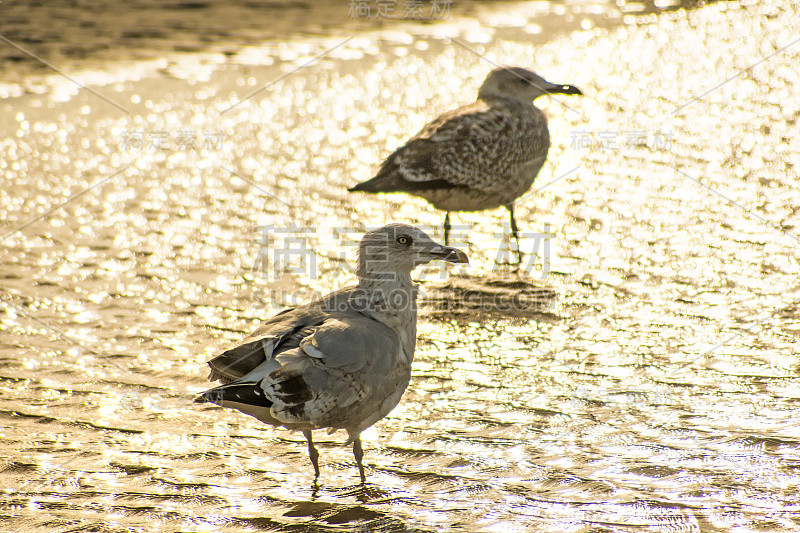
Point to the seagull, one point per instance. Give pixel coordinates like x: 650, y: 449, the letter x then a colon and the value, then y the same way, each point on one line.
x: 480, y: 156
x: 340, y: 362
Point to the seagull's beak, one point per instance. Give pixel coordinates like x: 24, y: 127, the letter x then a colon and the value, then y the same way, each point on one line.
x: 563, y: 89
x: 452, y: 255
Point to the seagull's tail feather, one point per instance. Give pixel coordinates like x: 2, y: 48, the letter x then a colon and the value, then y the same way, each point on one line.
x: 247, y: 397
x: 380, y: 183
x: 237, y: 392
x: 393, y: 181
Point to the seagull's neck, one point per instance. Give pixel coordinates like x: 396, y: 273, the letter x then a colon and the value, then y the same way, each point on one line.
x: 387, y: 296
x: 493, y: 99
x: 390, y: 297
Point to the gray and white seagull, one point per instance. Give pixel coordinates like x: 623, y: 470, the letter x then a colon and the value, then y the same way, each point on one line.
x: 480, y: 156
x: 343, y: 361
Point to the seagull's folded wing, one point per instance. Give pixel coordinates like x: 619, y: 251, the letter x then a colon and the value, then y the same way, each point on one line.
x: 282, y: 332
x: 342, y: 362
x: 352, y: 342
x: 445, y: 150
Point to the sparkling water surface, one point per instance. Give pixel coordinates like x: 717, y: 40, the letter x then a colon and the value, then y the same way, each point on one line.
x: 143, y: 221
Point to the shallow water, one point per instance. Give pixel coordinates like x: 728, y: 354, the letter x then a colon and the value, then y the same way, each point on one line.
x: 658, y: 392
x: 40, y: 36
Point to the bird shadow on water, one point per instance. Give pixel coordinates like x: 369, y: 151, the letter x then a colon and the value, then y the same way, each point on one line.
x: 317, y: 516
x: 497, y: 294
x: 364, y: 492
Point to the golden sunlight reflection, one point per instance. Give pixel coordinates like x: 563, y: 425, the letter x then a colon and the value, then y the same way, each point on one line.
x: 639, y: 372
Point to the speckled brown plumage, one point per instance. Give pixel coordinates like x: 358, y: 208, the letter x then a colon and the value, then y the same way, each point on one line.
x: 480, y: 156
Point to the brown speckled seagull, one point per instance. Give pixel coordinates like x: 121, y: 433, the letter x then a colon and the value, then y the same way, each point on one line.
x: 341, y: 362
x: 480, y: 156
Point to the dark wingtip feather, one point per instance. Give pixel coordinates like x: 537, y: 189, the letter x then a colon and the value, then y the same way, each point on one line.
x: 291, y: 387
x: 364, y: 186
x: 246, y: 393
x: 200, y: 398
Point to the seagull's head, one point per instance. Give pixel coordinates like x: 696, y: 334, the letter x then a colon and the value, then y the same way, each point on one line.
x: 398, y: 248
x: 520, y: 84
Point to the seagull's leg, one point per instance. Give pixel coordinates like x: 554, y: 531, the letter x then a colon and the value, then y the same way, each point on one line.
x: 447, y: 229
x: 515, y: 231
x: 312, y: 453
x: 359, y: 454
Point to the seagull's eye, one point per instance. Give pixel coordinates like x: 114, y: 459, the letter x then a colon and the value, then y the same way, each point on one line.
x: 405, y: 240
